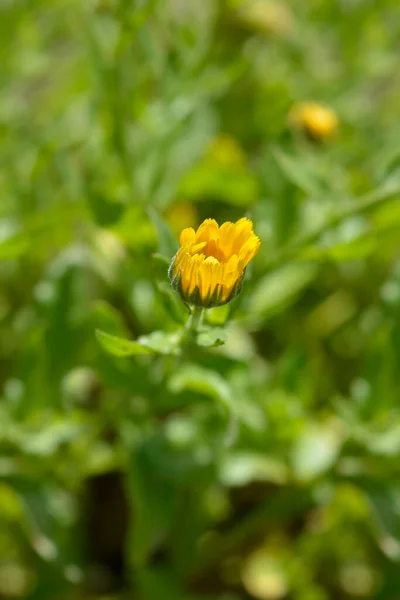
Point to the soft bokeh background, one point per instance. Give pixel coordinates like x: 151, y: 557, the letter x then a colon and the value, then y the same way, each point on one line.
x: 267, y: 468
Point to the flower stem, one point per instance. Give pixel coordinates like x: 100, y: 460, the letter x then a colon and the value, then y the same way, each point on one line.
x: 195, y: 319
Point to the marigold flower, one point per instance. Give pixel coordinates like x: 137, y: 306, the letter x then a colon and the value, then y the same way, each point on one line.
x: 268, y: 17
x: 209, y: 267
x: 318, y: 121
x: 226, y: 152
x: 180, y: 214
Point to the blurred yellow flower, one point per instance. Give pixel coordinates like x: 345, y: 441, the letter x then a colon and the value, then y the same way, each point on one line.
x: 225, y: 151
x: 209, y: 267
x: 317, y: 121
x: 180, y: 214
x: 267, y: 16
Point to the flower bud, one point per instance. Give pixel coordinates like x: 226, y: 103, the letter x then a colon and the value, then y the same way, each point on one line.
x: 209, y: 267
x: 317, y: 121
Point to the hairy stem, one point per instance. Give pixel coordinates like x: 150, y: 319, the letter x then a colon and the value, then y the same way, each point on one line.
x: 195, y: 319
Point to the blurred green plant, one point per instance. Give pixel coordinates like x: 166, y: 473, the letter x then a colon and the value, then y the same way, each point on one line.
x: 265, y: 467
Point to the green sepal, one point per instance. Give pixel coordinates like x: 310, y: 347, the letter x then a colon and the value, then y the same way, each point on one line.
x: 171, y: 269
x: 209, y: 301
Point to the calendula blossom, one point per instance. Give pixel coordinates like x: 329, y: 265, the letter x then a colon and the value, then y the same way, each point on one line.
x: 318, y: 121
x: 209, y: 267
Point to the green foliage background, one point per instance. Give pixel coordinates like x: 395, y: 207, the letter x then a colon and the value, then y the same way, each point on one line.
x: 267, y: 467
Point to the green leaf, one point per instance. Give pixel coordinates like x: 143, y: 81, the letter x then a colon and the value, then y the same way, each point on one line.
x: 47, y: 441
x: 385, y: 443
x: 167, y: 243
x: 162, y: 342
x: 204, y: 381
x: 172, y: 302
x: 160, y: 259
x: 356, y: 249
x: 211, y: 337
x: 383, y: 500
x: 298, y: 173
x: 218, y: 315
x: 278, y: 290
x: 13, y: 247
x: 105, y: 316
x: 151, y: 496
x: 120, y: 347
x: 315, y: 451
x: 262, y: 572
x: 241, y: 468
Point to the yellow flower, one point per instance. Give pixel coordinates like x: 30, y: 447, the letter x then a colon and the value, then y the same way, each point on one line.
x: 225, y: 151
x: 318, y: 121
x: 180, y: 214
x: 209, y: 267
x: 268, y: 17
